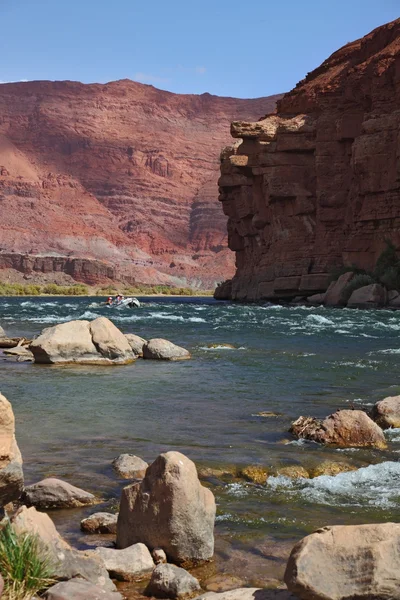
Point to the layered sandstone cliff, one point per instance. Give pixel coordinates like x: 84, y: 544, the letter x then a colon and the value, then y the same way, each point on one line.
x: 317, y: 185
x: 114, y: 182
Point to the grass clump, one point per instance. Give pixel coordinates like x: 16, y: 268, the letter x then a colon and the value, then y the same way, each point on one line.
x: 25, y: 568
x: 356, y: 283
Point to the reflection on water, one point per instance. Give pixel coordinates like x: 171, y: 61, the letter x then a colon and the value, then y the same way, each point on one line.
x: 72, y: 421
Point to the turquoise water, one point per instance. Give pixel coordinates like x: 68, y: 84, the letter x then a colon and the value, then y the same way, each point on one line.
x: 72, y: 421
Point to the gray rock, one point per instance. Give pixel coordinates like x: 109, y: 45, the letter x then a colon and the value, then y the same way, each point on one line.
x: 170, y: 581
x: 136, y: 343
x: 334, y: 295
x: 55, y: 493
x: 169, y: 509
x: 368, y: 296
x: 159, y: 349
x: 353, y: 561
x: 79, y: 589
x: 129, y: 564
x: 69, y: 562
x: 98, y: 343
x: 100, y: 522
x: 129, y: 466
x: 11, y: 474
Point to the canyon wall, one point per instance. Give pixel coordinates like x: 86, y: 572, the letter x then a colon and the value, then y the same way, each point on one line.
x: 317, y: 184
x: 114, y: 182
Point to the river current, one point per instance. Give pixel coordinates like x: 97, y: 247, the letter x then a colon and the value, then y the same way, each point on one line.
x: 291, y: 361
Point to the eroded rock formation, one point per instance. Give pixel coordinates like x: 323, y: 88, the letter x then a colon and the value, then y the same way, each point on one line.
x: 113, y: 182
x: 316, y: 185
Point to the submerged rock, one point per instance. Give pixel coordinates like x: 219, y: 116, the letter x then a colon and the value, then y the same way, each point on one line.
x: 294, y: 472
x: 169, y: 509
x: 70, y: 562
x: 386, y: 412
x: 136, y: 343
x: 100, y: 522
x: 79, y: 589
x: 222, y: 345
x: 344, y: 428
x: 160, y: 349
x: 129, y: 466
x: 55, y: 493
x: 83, y: 342
x: 353, y: 561
x: 129, y: 564
x: 170, y: 581
x: 11, y: 474
x: 331, y: 468
x: 254, y: 473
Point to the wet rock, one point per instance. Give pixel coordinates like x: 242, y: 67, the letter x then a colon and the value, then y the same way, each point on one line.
x: 83, y: 342
x: 79, y: 589
x: 130, y: 564
x: 294, y: 472
x: 222, y: 345
x: 222, y: 583
x: 21, y: 352
x: 170, y: 581
x: 357, y: 561
x: 160, y: 349
x: 344, y: 428
x: 159, y: 556
x: 267, y: 414
x: 129, y: 466
x: 218, y: 472
x: 386, y: 412
x: 254, y: 473
x: 100, y: 522
x: 335, y: 294
x: 331, y: 468
x: 316, y: 299
x: 11, y: 474
x: 69, y: 562
x: 55, y: 493
x: 2, y: 332
x: 136, y: 343
x: 368, y: 296
x: 169, y: 509
x: 248, y: 594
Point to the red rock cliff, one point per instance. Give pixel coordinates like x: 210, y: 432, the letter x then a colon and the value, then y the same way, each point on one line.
x: 115, y: 181
x: 317, y: 185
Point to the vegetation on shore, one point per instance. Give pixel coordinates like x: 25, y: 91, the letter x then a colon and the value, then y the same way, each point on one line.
x: 25, y: 568
x: 80, y: 289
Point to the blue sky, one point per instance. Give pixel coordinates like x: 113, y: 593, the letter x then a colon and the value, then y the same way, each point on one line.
x: 227, y: 47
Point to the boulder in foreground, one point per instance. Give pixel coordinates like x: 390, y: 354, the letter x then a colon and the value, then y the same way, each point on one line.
x: 353, y: 561
x: 129, y: 466
x: 129, y: 564
x: 169, y: 509
x: 69, y: 562
x: 386, y: 412
x: 98, y: 342
x: 159, y: 349
x: 11, y: 474
x: 55, y: 493
x: 344, y: 429
x: 79, y: 589
x: 170, y: 581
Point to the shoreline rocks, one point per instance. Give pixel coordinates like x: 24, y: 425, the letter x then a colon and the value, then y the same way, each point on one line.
x: 129, y: 466
x: 130, y: 564
x: 386, y: 412
x: 11, y: 473
x: 160, y: 349
x: 100, y: 522
x: 55, y: 493
x: 169, y: 509
x: 344, y: 429
x: 170, y: 581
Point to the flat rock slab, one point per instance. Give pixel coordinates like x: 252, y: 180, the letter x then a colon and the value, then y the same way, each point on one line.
x: 159, y: 349
x: 130, y: 564
x: 78, y: 589
x: 129, y: 466
x: 353, y: 561
x: 248, y: 594
x: 100, y: 522
x: 170, y: 581
x: 55, y: 493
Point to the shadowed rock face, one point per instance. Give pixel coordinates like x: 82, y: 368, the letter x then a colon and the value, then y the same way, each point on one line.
x: 114, y: 182
x: 316, y: 185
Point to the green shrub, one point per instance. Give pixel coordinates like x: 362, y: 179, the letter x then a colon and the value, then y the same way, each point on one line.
x: 388, y: 259
x: 25, y: 568
x: 357, y: 282
x: 336, y: 273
